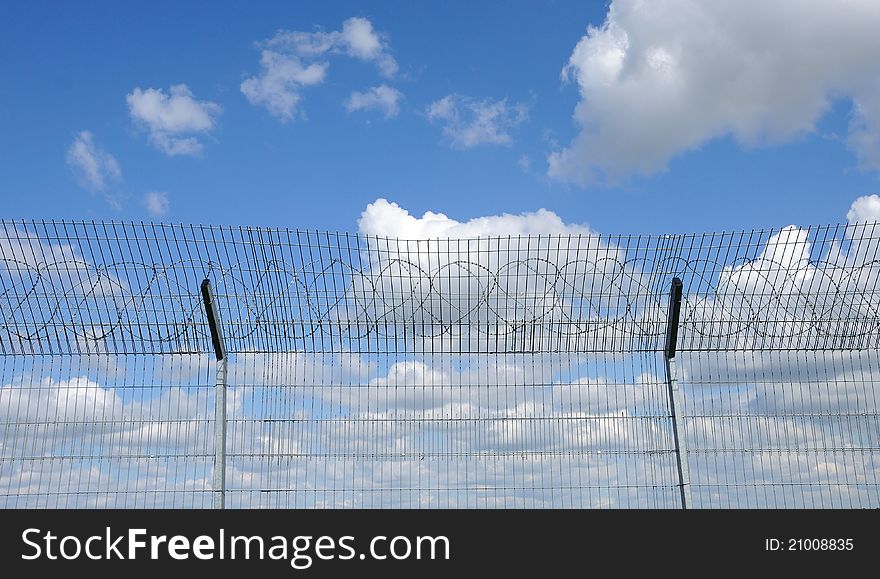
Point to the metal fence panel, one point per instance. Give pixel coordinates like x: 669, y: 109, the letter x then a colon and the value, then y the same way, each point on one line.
x: 481, y: 373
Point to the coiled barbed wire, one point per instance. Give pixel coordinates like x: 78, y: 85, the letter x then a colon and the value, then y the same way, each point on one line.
x: 525, y: 294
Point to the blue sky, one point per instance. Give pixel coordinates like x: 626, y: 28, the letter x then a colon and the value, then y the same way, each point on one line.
x: 70, y: 68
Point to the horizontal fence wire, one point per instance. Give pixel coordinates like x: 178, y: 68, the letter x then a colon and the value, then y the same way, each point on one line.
x: 522, y: 371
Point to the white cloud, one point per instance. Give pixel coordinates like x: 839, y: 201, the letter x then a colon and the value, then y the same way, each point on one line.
x: 94, y: 167
x: 173, y: 119
x: 278, y: 86
x: 157, y: 203
x: 865, y: 208
x: 291, y: 60
x: 864, y: 127
x: 77, y: 399
x: 660, y: 78
x: 21, y: 246
x: 468, y: 122
x: 386, y: 219
x: 499, y: 282
x: 382, y: 98
x: 362, y: 42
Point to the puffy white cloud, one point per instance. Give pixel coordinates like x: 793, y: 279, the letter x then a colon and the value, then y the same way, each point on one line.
x: 157, y: 203
x: 361, y: 41
x: 387, y: 219
x: 95, y: 168
x: 472, y: 294
x: 75, y: 400
x: 173, y: 119
x: 277, y: 88
x: 864, y: 209
x: 660, y: 78
x: 468, y: 122
x: 291, y: 60
x: 382, y: 98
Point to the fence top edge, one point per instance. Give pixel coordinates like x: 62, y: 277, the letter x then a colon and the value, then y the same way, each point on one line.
x: 586, y: 233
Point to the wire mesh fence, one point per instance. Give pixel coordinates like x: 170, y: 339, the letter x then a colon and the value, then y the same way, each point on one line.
x: 482, y: 373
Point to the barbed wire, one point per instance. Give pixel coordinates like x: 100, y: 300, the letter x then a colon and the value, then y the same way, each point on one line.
x: 538, y: 293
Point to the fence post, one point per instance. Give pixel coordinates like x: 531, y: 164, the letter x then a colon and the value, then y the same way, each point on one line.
x: 675, y: 405
x: 219, y: 396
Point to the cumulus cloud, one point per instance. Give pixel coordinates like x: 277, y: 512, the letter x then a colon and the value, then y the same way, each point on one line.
x: 468, y: 122
x: 360, y: 41
x: 510, y: 271
x: 660, y: 78
x: 157, y: 203
x: 95, y: 168
x: 174, y: 119
x: 278, y: 87
x: 386, y: 219
x: 864, y: 209
x: 382, y: 98
x: 60, y: 402
x: 292, y: 60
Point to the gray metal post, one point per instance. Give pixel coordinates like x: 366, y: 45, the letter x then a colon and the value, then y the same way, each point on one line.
x: 675, y: 403
x: 219, y: 396
x: 220, y: 437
